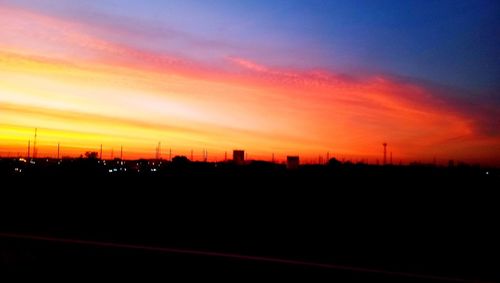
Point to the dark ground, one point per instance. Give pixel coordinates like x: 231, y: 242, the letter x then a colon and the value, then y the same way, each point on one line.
x: 421, y: 221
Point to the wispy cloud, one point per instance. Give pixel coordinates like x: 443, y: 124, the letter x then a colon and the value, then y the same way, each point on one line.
x: 58, y: 73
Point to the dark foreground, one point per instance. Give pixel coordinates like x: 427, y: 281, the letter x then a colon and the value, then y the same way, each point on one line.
x: 350, y: 224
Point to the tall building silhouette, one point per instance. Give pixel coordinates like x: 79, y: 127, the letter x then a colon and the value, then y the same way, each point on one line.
x: 292, y: 162
x: 239, y: 156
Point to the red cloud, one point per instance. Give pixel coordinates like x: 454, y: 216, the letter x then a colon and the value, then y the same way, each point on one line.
x: 262, y: 108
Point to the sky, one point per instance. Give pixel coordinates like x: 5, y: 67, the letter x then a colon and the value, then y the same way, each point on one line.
x: 271, y: 77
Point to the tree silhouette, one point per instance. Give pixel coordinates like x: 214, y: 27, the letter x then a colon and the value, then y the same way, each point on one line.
x: 180, y: 160
x: 91, y: 155
x: 334, y: 162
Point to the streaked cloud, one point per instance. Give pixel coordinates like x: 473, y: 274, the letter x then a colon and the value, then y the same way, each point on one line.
x: 82, y: 89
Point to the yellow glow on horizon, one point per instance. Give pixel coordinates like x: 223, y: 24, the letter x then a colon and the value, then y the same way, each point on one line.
x: 82, y: 91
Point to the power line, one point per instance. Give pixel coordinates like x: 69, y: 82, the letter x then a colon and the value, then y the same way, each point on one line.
x: 238, y: 256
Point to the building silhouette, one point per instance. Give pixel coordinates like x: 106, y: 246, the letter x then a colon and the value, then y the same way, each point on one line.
x: 292, y: 162
x: 239, y: 156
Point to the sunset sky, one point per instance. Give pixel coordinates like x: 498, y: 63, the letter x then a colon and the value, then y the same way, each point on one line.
x: 276, y: 76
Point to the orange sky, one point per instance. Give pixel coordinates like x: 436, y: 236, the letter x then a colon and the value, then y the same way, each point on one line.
x: 82, y: 91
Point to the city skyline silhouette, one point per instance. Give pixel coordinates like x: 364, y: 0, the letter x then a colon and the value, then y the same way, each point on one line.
x: 131, y: 77
x: 250, y: 140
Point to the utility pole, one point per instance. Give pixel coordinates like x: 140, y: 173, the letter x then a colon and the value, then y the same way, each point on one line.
x: 158, y: 151
x: 34, y: 144
x: 385, y: 153
x: 29, y: 148
x: 58, y: 149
